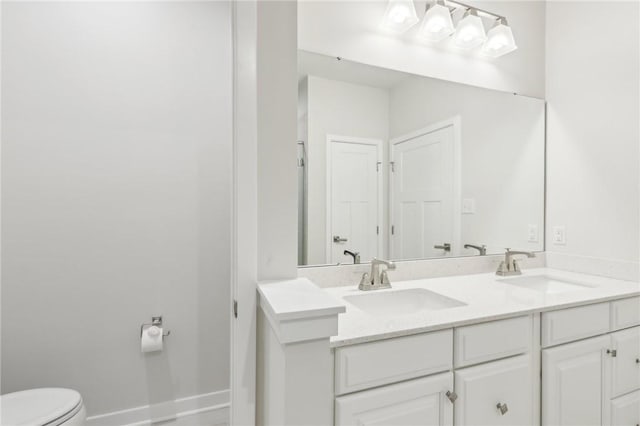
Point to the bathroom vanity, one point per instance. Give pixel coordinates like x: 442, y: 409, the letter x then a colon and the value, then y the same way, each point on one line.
x: 549, y: 347
x: 412, y: 168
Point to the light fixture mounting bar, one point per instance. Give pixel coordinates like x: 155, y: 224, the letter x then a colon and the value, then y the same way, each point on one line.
x: 480, y: 11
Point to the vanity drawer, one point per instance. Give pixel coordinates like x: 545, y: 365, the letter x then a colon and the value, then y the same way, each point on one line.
x: 492, y: 340
x: 379, y: 363
x: 567, y: 325
x: 625, y: 313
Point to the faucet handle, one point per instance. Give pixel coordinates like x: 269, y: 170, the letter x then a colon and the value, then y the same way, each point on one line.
x: 364, y: 281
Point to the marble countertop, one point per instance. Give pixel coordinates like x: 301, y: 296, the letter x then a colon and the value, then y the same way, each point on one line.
x: 485, y: 298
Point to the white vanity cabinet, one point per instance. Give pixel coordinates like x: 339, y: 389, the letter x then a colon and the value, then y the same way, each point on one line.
x: 625, y: 410
x: 383, y: 382
x: 572, y: 366
x: 593, y: 381
x: 625, y: 369
x: 573, y: 383
x: 415, y: 402
x: 496, y: 393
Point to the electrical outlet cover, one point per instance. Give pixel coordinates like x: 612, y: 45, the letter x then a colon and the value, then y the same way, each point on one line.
x: 559, y: 235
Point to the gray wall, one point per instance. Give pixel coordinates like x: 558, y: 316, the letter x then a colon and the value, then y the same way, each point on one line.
x: 116, y: 145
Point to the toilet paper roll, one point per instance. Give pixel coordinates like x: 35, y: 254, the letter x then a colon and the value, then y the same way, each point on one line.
x: 151, y: 339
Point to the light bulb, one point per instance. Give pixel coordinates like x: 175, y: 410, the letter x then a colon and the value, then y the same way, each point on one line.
x: 470, y: 31
x: 500, y: 40
x: 399, y: 16
x: 437, y: 24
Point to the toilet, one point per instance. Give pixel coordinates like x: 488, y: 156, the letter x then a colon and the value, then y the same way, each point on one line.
x: 40, y: 407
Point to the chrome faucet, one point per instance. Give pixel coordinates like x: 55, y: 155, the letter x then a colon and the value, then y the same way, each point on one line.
x: 377, y: 279
x: 481, y: 249
x: 510, y: 266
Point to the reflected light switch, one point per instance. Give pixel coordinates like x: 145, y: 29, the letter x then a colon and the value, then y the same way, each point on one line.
x: 468, y: 205
x: 533, y: 234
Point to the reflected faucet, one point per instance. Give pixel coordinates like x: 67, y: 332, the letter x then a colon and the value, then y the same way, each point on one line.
x: 377, y: 279
x: 354, y: 254
x: 481, y: 249
x: 510, y: 266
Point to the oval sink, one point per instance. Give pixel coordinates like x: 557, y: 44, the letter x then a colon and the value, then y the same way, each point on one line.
x: 546, y: 284
x: 402, y: 302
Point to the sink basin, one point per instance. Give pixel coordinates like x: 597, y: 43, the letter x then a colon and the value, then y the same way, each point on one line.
x: 546, y: 284
x: 402, y: 302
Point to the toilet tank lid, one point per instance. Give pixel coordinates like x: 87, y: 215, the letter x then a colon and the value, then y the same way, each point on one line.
x: 38, y: 406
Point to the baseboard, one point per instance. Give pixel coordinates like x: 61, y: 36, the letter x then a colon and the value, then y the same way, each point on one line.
x: 206, y: 409
x: 612, y: 268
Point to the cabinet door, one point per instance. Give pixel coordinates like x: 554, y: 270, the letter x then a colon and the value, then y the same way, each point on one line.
x: 496, y: 393
x: 625, y: 411
x: 418, y: 402
x: 625, y: 370
x: 573, y: 385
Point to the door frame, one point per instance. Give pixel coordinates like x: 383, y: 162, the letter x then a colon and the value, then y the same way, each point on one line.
x: 380, y: 187
x: 456, y: 123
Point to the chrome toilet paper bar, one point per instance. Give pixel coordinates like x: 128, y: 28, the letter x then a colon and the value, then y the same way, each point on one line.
x: 155, y: 321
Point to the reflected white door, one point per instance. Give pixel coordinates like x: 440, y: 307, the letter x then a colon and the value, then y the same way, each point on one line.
x: 354, y: 197
x: 424, y: 198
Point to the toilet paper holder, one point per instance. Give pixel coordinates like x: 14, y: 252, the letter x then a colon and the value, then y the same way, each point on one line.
x: 155, y: 321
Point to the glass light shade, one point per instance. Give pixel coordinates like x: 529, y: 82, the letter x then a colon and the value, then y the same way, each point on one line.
x: 499, y: 42
x: 470, y: 32
x: 437, y: 24
x: 400, y: 16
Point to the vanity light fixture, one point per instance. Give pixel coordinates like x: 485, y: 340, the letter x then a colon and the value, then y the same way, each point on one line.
x: 437, y: 24
x: 500, y: 40
x: 470, y: 31
x: 400, y: 16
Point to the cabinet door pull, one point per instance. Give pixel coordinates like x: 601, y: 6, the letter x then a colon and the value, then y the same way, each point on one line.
x: 502, y: 408
x: 452, y: 396
x: 612, y: 352
x: 637, y: 362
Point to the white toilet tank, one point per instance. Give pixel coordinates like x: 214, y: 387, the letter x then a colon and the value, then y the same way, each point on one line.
x: 45, y: 406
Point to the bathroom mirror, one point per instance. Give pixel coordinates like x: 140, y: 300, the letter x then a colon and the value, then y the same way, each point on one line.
x: 400, y: 166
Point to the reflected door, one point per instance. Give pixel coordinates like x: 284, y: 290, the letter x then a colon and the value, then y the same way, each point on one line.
x: 423, y: 194
x: 354, y: 198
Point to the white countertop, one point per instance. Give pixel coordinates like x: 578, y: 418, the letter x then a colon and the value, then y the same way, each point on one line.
x: 486, y: 299
x: 297, y: 299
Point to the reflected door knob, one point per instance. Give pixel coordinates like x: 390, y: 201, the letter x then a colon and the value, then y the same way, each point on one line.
x: 338, y: 239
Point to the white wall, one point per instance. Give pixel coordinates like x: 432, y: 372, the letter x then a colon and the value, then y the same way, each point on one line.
x: 344, y: 109
x: 593, y: 74
x: 350, y: 30
x: 277, y: 97
x: 502, y: 155
x: 116, y: 133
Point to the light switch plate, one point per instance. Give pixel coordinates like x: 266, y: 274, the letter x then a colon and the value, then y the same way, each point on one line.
x: 468, y: 205
x: 559, y: 235
x: 533, y: 234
